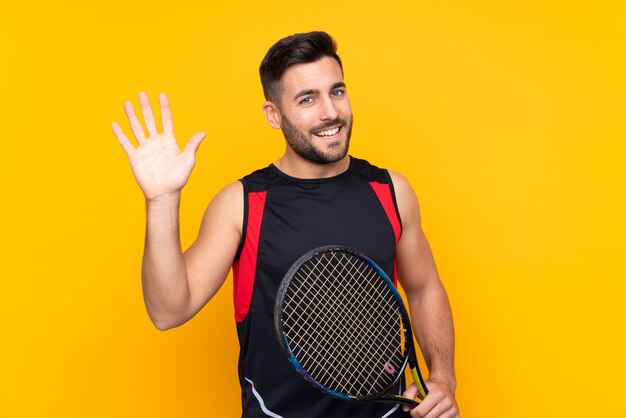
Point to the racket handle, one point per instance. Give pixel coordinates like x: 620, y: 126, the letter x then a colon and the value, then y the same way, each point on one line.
x: 419, y: 382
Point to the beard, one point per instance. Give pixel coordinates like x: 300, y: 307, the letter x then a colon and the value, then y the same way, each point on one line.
x: 304, y: 147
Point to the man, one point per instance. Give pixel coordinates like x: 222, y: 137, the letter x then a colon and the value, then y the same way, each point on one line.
x: 314, y: 194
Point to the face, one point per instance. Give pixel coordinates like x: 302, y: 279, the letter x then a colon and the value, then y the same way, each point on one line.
x: 315, y: 113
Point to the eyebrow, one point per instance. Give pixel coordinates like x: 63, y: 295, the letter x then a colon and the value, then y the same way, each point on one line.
x: 305, y: 93
x: 314, y: 91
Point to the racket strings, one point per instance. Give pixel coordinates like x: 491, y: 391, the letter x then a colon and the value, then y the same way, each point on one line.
x: 347, y: 307
x: 372, y: 346
x: 364, y: 350
x: 315, y: 297
x: 351, y: 389
x: 343, y: 325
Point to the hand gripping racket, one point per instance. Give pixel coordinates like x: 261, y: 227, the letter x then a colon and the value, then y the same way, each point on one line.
x: 344, y: 327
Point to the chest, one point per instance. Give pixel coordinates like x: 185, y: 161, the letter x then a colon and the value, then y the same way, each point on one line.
x: 298, y: 218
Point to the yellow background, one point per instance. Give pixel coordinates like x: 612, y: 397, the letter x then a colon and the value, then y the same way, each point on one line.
x: 507, y: 117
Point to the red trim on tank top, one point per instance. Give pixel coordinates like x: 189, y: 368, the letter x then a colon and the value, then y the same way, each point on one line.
x: 244, y: 269
x: 383, y: 192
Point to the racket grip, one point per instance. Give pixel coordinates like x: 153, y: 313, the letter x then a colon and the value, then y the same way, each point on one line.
x: 419, y: 382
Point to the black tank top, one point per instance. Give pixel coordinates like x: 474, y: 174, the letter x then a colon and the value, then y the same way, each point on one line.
x: 286, y: 217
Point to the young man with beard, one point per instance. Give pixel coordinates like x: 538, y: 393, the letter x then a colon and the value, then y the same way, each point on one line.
x: 315, y: 194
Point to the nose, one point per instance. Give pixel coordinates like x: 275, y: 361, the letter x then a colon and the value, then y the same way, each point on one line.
x: 328, y: 111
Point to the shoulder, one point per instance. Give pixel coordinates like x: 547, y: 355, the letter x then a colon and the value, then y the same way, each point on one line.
x: 230, y: 195
x: 260, y: 179
x: 400, y: 183
x: 406, y: 199
x: 369, y: 171
x: 227, y: 207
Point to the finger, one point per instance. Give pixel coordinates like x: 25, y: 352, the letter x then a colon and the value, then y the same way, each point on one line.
x: 441, y: 409
x: 435, y: 412
x: 194, y: 142
x: 135, y: 125
x: 450, y: 413
x: 121, y: 138
x: 148, y: 116
x: 410, y: 393
x: 166, y: 114
x: 424, y: 407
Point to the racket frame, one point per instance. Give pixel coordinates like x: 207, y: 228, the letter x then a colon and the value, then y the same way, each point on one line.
x: 410, y: 357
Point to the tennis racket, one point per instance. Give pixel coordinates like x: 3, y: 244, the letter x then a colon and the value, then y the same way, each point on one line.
x: 344, y: 327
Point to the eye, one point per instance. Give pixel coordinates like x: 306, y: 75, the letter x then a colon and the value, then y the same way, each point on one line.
x: 337, y: 93
x: 306, y: 100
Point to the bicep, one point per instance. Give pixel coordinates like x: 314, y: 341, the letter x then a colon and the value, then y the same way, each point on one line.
x: 415, y: 262
x: 209, y: 258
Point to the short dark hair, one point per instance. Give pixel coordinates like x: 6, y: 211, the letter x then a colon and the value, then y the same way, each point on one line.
x: 295, y: 49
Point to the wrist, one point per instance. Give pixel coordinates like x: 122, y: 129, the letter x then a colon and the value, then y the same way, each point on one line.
x: 446, y: 379
x: 166, y: 199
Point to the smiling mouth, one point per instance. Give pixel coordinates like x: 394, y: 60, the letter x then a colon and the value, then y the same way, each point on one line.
x: 328, y: 133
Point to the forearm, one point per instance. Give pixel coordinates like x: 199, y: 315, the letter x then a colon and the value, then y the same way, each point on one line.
x: 164, y: 275
x: 433, y: 327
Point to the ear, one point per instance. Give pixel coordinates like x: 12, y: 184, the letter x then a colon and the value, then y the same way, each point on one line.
x: 272, y: 114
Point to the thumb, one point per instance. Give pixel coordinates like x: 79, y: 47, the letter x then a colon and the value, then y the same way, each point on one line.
x: 194, y: 142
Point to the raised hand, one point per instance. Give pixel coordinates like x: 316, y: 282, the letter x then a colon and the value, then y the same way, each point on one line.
x: 159, y: 166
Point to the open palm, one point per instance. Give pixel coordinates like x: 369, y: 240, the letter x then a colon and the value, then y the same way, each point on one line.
x: 158, y: 164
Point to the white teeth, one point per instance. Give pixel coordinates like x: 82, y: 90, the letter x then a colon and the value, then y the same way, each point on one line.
x: 329, y: 132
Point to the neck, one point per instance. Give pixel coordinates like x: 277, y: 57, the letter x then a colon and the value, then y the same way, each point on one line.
x: 295, y: 166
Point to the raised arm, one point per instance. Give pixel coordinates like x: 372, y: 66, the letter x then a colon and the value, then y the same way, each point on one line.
x: 431, y: 316
x: 177, y: 285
